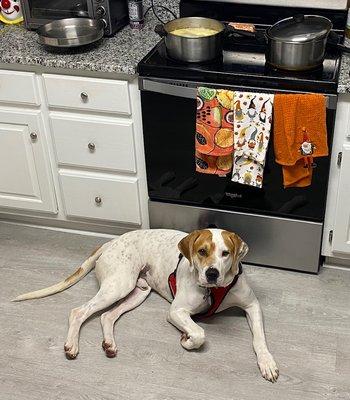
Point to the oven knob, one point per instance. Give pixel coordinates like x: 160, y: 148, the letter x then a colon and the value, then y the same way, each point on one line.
x: 105, y: 24
x: 100, y: 11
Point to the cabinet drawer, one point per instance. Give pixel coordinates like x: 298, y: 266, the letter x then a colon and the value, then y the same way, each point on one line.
x: 99, y: 143
x: 101, y: 197
x: 18, y: 87
x: 87, y: 94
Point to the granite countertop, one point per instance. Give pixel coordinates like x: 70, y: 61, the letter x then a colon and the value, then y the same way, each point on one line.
x: 344, y: 77
x: 118, y: 54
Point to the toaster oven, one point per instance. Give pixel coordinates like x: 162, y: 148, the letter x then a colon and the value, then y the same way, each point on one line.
x: 114, y: 13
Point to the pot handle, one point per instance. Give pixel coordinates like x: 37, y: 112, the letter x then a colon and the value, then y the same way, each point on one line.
x: 259, y: 36
x: 230, y: 30
x: 343, y: 48
x: 160, y: 30
x: 334, y: 41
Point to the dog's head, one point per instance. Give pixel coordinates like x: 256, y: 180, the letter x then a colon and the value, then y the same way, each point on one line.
x: 214, y: 254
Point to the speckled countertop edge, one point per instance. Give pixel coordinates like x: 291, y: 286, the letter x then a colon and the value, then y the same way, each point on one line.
x: 344, y: 77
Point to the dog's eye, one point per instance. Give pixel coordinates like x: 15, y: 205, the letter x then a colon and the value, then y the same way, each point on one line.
x: 202, y: 252
x: 225, y: 253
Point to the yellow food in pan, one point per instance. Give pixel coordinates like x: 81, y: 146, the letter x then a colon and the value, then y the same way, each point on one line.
x: 194, y: 32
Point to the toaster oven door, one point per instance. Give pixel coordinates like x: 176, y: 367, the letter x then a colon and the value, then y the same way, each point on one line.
x: 38, y: 12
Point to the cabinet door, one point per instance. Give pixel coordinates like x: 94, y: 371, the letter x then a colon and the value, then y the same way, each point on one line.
x: 341, y: 231
x: 25, y: 176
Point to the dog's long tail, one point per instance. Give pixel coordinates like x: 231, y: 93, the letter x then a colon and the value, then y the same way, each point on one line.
x: 83, y: 270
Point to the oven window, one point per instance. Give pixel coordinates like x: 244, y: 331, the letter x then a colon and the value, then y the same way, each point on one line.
x: 169, y: 124
x: 55, y: 9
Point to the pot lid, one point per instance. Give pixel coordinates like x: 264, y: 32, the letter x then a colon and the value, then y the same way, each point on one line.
x: 300, y: 28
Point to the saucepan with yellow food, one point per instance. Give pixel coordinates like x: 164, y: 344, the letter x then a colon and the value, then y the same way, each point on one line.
x: 198, y: 39
x: 193, y: 39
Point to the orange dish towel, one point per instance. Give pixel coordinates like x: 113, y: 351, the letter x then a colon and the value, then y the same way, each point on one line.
x: 300, y: 135
x: 214, y: 131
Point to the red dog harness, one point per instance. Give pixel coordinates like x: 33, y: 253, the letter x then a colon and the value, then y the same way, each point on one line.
x: 217, y: 295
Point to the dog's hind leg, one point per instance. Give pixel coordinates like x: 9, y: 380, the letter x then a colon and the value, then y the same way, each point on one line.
x: 111, y: 291
x: 109, y: 318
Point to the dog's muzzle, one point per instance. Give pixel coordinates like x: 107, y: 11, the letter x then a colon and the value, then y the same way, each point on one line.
x: 212, y: 275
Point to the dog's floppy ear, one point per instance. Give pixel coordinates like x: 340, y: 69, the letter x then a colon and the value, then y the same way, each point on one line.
x: 239, y: 245
x: 186, y: 244
x: 243, y: 249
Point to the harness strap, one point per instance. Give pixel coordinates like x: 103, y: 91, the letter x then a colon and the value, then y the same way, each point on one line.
x: 217, y: 294
x: 172, y: 277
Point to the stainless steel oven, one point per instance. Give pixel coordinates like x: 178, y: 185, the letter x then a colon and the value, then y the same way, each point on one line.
x: 114, y: 13
x: 282, y: 226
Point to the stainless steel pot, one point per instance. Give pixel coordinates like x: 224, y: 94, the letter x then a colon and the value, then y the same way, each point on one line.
x: 298, y: 43
x: 195, y: 50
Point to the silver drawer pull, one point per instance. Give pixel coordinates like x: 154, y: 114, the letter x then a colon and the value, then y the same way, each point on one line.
x: 84, y: 96
x: 34, y: 136
x: 98, y: 200
x: 92, y: 147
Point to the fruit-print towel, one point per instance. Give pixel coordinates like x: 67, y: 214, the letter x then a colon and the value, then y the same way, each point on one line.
x: 214, y: 131
x: 252, y: 125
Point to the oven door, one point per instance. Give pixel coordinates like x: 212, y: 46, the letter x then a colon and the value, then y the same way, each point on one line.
x: 169, y: 111
x: 39, y: 12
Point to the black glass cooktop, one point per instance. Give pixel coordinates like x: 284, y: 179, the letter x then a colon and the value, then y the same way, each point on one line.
x: 243, y: 64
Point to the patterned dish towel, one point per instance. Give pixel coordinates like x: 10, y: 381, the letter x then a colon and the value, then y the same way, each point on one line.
x: 300, y: 135
x: 214, y: 131
x: 252, y: 125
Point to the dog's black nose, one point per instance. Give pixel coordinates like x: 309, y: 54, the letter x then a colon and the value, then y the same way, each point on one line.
x: 212, y: 275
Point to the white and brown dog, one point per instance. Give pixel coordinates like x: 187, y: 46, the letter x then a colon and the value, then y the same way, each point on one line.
x: 208, y: 280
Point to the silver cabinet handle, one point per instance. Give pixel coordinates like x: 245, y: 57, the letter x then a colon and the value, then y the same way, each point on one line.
x: 34, y: 136
x: 84, y: 96
x: 92, y: 147
x: 98, y: 200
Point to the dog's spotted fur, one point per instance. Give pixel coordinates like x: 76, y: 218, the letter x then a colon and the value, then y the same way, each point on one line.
x: 129, y: 267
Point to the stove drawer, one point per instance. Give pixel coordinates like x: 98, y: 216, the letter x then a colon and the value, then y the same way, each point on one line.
x: 100, y: 95
x: 100, y: 143
x: 101, y: 197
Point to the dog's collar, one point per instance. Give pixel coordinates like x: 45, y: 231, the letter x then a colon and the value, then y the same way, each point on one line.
x: 181, y: 256
x: 217, y: 294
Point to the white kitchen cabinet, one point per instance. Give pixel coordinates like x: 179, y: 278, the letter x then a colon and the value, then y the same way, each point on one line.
x: 25, y: 175
x: 341, y: 231
x: 336, y: 237
x: 19, y: 88
x: 71, y: 152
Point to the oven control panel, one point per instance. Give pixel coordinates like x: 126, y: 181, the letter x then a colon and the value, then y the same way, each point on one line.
x: 101, y: 11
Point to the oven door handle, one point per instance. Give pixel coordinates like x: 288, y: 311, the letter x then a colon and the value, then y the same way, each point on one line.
x: 188, y: 89
x: 171, y: 89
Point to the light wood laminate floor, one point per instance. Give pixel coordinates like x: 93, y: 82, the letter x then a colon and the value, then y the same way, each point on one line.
x: 307, y: 325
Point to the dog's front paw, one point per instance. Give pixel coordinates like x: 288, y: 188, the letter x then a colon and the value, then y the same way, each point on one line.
x: 268, y: 367
x: 110, y: 349
x: 71, y: 351
x: 193, y: 341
